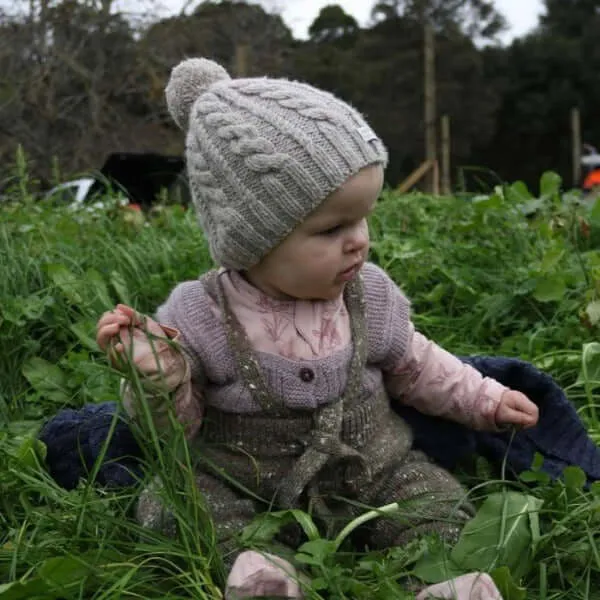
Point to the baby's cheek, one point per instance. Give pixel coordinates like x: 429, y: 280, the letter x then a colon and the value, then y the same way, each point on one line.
x: 366, y: 231
x: 320, y: 249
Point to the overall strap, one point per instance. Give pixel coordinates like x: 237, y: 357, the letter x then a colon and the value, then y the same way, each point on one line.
x: 325, y: 441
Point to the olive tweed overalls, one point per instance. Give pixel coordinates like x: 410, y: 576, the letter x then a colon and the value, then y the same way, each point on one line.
x: 354, y: 448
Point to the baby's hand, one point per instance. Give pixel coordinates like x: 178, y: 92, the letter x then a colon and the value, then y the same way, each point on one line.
x: 128, y: 336
x: 517, y: 409
x: 116, y: 323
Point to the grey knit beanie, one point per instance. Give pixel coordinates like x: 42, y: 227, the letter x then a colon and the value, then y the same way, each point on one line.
x: 262, y: 154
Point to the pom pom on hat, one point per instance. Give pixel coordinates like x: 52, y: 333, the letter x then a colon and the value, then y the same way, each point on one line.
x: 188, y: 80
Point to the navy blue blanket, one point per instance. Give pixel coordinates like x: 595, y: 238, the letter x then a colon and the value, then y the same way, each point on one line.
x: 74, y: 438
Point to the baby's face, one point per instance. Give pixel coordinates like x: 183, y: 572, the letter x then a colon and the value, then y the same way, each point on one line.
x: 327, y: 250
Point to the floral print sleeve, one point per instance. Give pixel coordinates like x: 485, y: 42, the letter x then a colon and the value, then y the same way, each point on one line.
x: 437, y: 383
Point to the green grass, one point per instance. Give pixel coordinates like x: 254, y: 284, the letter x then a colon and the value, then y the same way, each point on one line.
x: 483, y: 277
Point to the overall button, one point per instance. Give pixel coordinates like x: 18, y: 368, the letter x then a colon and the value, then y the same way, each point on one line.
x: 306, y: 374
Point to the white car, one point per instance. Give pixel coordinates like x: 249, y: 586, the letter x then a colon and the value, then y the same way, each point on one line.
x: 71, y: 192
x: 84, y: 191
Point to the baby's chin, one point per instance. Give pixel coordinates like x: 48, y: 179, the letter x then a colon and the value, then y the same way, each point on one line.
x: 297, y: 290
x: 329, y: 294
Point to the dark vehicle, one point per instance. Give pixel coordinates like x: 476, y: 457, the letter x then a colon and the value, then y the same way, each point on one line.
x: 138, y: 178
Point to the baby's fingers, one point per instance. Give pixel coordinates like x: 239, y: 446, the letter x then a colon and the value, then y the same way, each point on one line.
x: 529, y: 419
x: 112, y: 321
x: 526, y: 414
x: 106, y: 333
x: 134, y: 317
x: 513, y: 416
x: 142, y: 321
x: 113, y: 316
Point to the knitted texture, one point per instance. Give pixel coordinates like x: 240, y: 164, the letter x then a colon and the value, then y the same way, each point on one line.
x: 353, y: 445
x: 75, y: 438
x: 189, y: 309
x: 262, y: 154
x: 560, y: 436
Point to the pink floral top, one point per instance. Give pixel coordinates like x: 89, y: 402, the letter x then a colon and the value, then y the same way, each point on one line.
x: 428, y: 377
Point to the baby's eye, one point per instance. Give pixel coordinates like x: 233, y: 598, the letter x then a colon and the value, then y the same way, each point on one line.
x: 331, y: 230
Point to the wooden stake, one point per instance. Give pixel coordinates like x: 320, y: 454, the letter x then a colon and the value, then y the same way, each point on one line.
x: 446, y: 154
x: 436, y: 178
x: 415, y: 177
x: 430, y: 105
x: 576, y: 144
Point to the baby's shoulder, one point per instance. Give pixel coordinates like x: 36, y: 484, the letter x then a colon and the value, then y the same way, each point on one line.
x: 193, y: 290
x: 189, y: 300
x: 387, y: 312
x: 379, y: 287
x: 374, y: 274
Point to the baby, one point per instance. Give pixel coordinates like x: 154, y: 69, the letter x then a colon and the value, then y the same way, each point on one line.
x: 284, y: 362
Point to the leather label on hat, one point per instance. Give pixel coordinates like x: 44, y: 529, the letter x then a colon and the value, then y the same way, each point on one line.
x: 367, y: 134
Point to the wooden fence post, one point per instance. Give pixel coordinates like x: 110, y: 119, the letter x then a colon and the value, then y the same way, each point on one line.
x: 446, y: 156
x: 576, y: 145
x: 430, y: 115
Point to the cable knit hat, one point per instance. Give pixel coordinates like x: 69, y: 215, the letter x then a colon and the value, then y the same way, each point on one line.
x: 262, y: 154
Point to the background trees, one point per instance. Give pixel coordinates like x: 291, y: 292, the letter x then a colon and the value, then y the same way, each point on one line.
x: 79, y: 80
